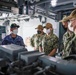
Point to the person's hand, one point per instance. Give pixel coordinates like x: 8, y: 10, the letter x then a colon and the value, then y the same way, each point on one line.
x: 48, y: 54
x: 35, y: 48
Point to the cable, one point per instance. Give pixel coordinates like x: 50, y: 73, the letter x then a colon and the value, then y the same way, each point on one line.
x: 43, y: 71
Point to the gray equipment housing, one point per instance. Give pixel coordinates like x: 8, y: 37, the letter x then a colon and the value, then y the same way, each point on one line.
x: 30, y: 57
x: 10, y: 52
x: 61, y: 66
x: 2, y: 62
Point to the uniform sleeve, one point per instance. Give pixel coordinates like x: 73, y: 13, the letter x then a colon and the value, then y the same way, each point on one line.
x: 62, y: 43
x: 42, y: 42
x: 22, y: 42
x: 32, y: 41
x: 63, y: 39
x: 56, y: 42
x: 4, y: 41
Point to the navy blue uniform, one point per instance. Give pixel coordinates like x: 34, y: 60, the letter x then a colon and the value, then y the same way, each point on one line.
x: 9, y: 40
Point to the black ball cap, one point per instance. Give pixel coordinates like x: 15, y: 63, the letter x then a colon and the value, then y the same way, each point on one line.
x: 13, y: 25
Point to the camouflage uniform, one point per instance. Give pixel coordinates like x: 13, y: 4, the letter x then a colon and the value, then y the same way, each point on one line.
x: 36, y: 39
x: 74, y: 45
x: 67, y: 39
x: 49, y: 43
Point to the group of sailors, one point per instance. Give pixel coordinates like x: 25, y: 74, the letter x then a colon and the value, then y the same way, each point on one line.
x: 48, y: 42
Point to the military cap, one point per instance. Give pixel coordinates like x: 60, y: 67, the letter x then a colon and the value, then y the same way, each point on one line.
x: 13, y: 25
x: 48, y: 25
x: 39, y: 27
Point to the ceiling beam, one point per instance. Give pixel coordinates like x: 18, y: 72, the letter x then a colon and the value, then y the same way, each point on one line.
x: 43, y: 9
x: 63, y: 7
x: 5, y: 10
x: 8, y: 4
x: 64, y: 2
x: 40, y: 2
x: 60, y: 2
x: 49, y: 16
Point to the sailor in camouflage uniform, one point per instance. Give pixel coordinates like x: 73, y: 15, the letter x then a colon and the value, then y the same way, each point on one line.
x: 67, y: 37
x: 37, y: 38
x: 72, y: 43
x: 49, y: 41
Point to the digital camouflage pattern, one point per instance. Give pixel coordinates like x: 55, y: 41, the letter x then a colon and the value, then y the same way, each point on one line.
x: 49, y: 43
x: 74, y: 45
x: 67, y: 37
x: 36, y: 40
x: 67, y: 43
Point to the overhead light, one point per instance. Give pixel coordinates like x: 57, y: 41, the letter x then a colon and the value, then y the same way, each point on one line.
x: 16, y: 1
x: 4, y: 15
x: 54, y: 3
